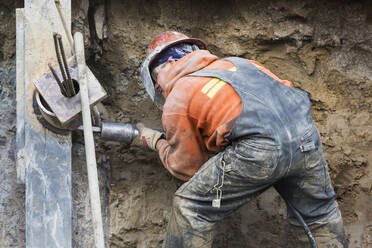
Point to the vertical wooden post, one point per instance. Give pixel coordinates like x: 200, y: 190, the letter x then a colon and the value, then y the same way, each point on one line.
x: 47, y: 155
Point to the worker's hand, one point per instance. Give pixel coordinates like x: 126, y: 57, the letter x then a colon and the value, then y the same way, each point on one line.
x: 147, y: 137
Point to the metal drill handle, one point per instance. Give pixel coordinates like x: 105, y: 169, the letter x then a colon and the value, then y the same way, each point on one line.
x: 119, y: 132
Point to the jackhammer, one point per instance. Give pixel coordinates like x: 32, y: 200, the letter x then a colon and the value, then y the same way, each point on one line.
x: 116, y: 131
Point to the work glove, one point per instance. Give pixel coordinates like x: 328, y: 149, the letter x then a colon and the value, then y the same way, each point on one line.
x: 147, y: 137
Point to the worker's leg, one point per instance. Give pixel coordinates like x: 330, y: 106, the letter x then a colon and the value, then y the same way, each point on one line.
x: 309, y: 190
x: 247, y: 173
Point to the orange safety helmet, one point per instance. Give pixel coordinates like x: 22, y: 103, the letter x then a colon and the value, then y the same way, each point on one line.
x: 159, y: 44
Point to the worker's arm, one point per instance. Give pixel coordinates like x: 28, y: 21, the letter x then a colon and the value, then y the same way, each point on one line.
x: 183, y: 151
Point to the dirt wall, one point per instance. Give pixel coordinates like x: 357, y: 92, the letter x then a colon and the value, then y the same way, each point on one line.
x: 324, y: 47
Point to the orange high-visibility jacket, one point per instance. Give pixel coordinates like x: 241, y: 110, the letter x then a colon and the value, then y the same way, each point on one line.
x: 198, y: 112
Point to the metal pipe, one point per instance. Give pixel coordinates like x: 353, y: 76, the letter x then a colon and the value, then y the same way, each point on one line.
x: 59, y: 56
x: 96, y: 116
x: 69, y: 83
x: 61, y: 86
x: 119, y: 132
x: 68, y: 34
x: 89, y: 143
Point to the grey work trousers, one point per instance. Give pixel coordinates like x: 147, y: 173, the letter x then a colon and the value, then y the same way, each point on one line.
x: 248, y: 167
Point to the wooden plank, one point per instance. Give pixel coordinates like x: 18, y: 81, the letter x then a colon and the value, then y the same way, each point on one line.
x: 47, y: 155
x: 68, y: 108
x: 20, y: 92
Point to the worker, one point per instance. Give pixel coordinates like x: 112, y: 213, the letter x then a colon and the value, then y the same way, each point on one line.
x: 232, y: 130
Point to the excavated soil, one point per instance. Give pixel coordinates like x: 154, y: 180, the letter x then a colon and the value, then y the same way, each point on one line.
x: 323, y: 47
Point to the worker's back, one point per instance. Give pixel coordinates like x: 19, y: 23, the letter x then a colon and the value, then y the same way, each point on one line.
x: 270, y: 110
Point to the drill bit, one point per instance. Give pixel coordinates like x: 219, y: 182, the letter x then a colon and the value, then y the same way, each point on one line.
x: 59, y: 56
x: 69, y: 83
x: 61, y: 86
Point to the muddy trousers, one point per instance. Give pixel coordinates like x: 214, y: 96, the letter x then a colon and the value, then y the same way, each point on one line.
x: 242, y: 172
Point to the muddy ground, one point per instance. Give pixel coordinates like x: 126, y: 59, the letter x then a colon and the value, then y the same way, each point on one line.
x: 323, y: 47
